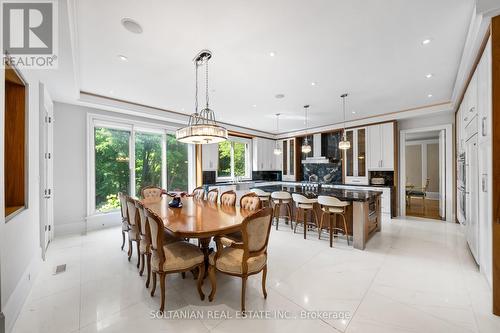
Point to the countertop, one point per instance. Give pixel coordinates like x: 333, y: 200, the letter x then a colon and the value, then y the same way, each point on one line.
x: 341, y: 194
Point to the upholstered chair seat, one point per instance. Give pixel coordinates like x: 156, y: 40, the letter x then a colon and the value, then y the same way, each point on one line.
x: 178, y: 256
x: 333, y: 209
x: 230, y: 261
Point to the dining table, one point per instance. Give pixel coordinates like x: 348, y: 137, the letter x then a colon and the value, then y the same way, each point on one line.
x: 197, y: 218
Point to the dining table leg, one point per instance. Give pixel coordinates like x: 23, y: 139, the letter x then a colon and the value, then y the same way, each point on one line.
x: 205, y: 248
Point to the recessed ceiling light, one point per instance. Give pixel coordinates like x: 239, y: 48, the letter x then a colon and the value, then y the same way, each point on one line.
x: 122, y: 57
x: 313, y: 83
x: 429, y: 75
x: 254, y: 106
x: 353, y: 112
x: 131, y: 25
x: 272, y: 54
x: 426, y: 41
x: 279, y: 96
x: 429, y: 96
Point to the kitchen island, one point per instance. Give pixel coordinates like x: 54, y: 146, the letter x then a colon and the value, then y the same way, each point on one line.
x: 363, y: 215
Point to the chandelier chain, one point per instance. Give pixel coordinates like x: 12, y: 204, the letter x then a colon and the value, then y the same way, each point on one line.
x: 206, y: 81
x: 196, y: 90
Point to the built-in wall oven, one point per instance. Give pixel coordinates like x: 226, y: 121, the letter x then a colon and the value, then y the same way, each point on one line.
x: 461, y: 191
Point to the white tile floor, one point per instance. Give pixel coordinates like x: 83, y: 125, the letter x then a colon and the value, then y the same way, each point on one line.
x: 415, y: 276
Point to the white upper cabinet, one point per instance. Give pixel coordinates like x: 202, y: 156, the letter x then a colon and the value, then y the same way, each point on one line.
x: 381, y: 147
x: 263, y: 155
x: 210, y: 157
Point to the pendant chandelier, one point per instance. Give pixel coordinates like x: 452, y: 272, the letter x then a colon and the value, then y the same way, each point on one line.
x: 202, y: 127
x: 277, y: 149
x: 344, y: 144
x: 306, y: 147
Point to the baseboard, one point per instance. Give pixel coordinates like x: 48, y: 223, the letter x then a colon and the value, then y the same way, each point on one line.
x: 21, y: 292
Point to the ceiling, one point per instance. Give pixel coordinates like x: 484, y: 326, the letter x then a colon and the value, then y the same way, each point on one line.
x: 371, y: 49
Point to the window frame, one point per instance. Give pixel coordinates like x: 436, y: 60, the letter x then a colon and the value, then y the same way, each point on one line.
x: 97, y: 120
x: 248, y: 160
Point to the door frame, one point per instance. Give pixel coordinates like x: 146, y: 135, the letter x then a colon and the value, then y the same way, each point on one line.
x: 44, y: 99
x: 449, y: 193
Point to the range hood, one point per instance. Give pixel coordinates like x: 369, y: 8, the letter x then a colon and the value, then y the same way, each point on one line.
x: 317, y: 158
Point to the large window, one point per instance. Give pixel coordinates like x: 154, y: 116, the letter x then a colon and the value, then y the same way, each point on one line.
x: 148, y: 160
x: 112, y: 166
x: 177, y: 164
x: 234, y: 159
x: 126, y: 157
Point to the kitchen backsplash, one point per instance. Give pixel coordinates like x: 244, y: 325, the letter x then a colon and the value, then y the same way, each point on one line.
x: 329, y: 173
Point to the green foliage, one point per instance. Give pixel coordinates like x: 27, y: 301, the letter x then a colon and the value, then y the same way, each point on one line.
x: 112, y: 173
x: 239, y: 158
x: 147, y: 161
x: 177, y: 164
x: 224, y: 159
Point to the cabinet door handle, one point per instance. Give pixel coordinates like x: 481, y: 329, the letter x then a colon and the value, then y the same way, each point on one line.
x: 483, y: 126
x: 484, y: 182
x: 472, y: 109
x: 466, y: 118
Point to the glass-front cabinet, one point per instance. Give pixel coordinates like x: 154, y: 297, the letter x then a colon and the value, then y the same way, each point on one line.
x: 288, y: 165
x: 355, y: 157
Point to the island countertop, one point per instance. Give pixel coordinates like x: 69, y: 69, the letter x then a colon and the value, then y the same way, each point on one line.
x: 341, y: 194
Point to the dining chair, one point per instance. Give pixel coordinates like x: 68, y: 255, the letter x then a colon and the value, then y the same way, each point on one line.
x: 280, y: 199
x: 134, y: 234
x: 244, y: 258
x: 304, y: 205
x: 332, y: 207
x: 213, y: 195
x: 123, y: 210
x: 151, y: 193
x: 198, y: 193
x: 263, y: 196
x: 249, y: 202
x: 228, y: 198
x: 145, y: 244
x: 176, y: 257
x: 418, y: 192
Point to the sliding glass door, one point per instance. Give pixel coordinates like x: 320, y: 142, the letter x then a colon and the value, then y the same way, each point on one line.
x: 148, y: 160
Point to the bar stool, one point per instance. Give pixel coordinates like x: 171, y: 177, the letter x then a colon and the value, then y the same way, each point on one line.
x: 333, y: 206
x: 304, y: 205
x: 280, y: 198
x: 263, y: 196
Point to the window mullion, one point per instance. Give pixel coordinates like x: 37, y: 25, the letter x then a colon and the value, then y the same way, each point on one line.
x: 232, y: 159
x: 164, y: 166
x: 132, y: 162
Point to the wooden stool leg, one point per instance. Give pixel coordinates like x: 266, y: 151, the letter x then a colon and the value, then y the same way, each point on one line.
x: 290, y: 216
x: 277, y: 214
x: 321, y: 225
x: 305, y: 224
x: 330, y: 229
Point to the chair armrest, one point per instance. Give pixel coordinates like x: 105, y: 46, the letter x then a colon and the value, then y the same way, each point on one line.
x: 222, y: 242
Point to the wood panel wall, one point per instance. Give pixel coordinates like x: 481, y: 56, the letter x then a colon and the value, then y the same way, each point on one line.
x: 495, y: 50
x: 15, y: 143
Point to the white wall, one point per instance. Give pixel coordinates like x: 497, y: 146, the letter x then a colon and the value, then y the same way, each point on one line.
x: 70, y: 169
x: 19, y: 237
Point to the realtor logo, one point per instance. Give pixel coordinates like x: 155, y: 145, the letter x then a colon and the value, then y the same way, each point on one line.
x: 29, y: 33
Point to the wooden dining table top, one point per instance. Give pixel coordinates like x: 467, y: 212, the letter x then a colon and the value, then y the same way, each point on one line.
x: 198, y: 218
